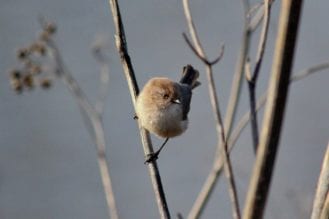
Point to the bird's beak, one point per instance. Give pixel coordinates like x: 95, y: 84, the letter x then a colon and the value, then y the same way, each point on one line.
x: 176, y: 101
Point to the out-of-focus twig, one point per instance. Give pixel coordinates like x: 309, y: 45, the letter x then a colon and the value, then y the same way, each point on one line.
x: 231, y: 109
x: 237, y: 78
x: 93, y: 122
x: 322, y: 189
x: 121, y: 45
x: 259, y: 10
x: 97, y: 50
x: 198, y: 50
x: 262, y: 100
x: 274, y: 111
x: 252, y: 79
x: 217, y: 168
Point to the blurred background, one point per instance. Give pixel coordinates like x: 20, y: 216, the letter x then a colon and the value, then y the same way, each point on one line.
x: 48, y: 166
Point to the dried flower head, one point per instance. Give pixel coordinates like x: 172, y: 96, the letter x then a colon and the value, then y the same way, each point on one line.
x: 45, y: 83
x: 15, y: 74
x: 39, y: 48
x: 28, y: 81
x: 35, y: 69
x: 22, y: 53
x: 16, y: 85
x: 50, y: 28
x: 44, y: 36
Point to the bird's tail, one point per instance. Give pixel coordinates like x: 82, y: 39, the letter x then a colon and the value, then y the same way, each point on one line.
x: 190, y: 76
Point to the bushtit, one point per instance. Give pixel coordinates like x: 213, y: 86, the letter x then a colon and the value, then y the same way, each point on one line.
x: 163, y: 105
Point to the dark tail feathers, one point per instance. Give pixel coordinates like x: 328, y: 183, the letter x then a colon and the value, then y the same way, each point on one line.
x: 190, y: 76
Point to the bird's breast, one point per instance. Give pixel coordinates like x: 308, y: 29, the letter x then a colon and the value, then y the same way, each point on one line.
x: 166, y: 122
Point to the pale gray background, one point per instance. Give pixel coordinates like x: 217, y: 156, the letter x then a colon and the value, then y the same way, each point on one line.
x: 48, y: 166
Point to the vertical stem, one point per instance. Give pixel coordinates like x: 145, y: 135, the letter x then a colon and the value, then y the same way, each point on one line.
x: 93, y: 122
x: 274, y: 111
x: 252, y: 81
x: 216, y: 109
x: 322, y: 189
x: 253, y: 114
x: 238, y: 75
x: 227, y: 160
x: 121, y: 45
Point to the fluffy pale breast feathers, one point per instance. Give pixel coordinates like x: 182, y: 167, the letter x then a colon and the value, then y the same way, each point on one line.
x: 158, y: 108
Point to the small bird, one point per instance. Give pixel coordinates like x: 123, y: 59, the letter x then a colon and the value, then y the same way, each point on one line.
x: 163, y: 105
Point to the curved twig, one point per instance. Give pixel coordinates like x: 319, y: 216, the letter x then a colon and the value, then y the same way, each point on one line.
x: 93, y: 123
x: 97, y: 50
x: 274, y: 112
x: 217, y: 168
x: 231, y: 109
x: 198, y: 50
x: 252, y: 80
x: 204, y: 60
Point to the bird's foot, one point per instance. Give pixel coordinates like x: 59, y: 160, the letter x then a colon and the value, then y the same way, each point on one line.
x: 151, y: 157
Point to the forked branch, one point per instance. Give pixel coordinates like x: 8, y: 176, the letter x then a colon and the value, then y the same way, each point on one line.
x: 198, y: 50
x: 274, y: 112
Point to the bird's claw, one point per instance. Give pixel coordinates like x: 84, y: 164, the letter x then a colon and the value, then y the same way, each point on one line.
x: 151, y: 157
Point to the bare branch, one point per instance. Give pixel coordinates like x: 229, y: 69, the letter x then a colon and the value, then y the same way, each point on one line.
x: 322, y: 189
x: 94, y: 124
x: 309, y: 71
x: 198, y: 50
x: 258, y: 15
x: 274, y: 112
x: 97, y: 50
x: 262, y: 41
x: 252, y: 82
x: 212, y: 178
x: 205, y: 61
x: 237, y: 78
x: 262, y: 100
x: 217, y: 168
x: 121, y: 45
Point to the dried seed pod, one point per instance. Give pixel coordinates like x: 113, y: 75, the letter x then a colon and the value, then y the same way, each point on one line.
x: 35, y: 69
x: 28, y: 81
x: 44, y: 36
x: 45, y: 83
x: 22, y: 53
x: 50, y: 28
x: 15, y: 74
x: 16, y: 85
x: 39, y: 47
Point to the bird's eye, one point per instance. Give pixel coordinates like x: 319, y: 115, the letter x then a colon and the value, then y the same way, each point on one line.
x: 165, y: 96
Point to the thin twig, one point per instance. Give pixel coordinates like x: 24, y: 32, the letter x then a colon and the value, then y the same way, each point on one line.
x: 309, y: 71
x: 252, y: 81
x: 274, y: 112
x: 237, y: 78
x: 262, y: 100
x: 217, y: 168
x: 121, y: 45
x: 200, y: 56
x: 198, y: 50
x: 322, y: 189
x: 98, y: 53
x: 94, y: 124
x: 258, y: 16
x: 208, y: 186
